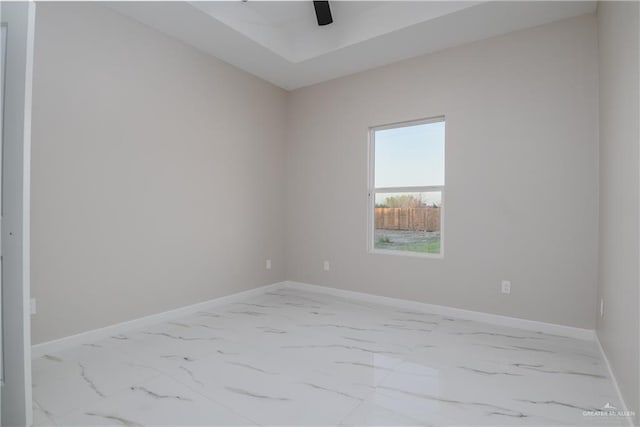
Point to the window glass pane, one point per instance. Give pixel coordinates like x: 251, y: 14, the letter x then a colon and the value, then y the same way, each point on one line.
x: 408, y: 222
x: 410, y: 156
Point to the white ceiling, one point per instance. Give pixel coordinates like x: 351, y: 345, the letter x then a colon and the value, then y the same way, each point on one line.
x: 289, y: 28
x: 281, y: 42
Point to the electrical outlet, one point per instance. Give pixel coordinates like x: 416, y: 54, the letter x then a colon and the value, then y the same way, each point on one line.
x: 326, y: 266
x: 506, y: 287
x: 268, y: 264
x: 602, y: 307
x: 33, y: 306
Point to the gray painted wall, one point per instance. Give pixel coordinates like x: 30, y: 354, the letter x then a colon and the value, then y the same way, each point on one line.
x: 618, y: 330
x: 158, y: 173
x: 147, y: 199
x: 521, y: 175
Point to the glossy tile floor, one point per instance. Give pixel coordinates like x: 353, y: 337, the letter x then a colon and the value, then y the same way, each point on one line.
x: 291, y: 357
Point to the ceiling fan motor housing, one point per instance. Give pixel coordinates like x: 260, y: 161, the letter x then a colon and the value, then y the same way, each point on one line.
x: 323, y: 12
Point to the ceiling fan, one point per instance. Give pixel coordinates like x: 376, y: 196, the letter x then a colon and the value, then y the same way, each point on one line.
x: 323, y: 12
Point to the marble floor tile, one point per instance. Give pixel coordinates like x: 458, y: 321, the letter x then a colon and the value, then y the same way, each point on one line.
x: 293, y: 357
x: 161, y: 401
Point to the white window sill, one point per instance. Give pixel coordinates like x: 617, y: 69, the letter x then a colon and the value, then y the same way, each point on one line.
x: 406, y: 253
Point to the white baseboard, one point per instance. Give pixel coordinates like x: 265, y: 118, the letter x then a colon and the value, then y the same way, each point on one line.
x: 495, y: 319
x: 613, y: 379
x: 41, y: 349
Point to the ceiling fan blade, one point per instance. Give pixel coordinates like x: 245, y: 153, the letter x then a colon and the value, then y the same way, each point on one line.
x: 323, y: 12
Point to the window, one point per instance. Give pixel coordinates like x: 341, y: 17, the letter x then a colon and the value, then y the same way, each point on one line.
x: 406, y: 188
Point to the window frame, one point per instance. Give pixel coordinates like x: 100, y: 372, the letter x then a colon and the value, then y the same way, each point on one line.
x: 372, y: 191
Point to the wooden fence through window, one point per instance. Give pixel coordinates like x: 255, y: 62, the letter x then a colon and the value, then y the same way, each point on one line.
x: 414, y: 219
